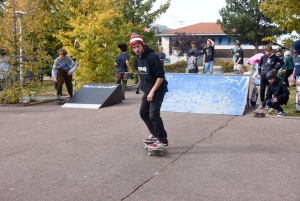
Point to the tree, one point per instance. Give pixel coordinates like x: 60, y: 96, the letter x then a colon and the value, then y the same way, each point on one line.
x: 285, y: 14
x: 244, y: 21
x: 181, y: 43
x: 98, y: 26
x: 21, y: 38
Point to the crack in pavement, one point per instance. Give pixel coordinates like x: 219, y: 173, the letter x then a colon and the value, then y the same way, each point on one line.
x: 210, y: 136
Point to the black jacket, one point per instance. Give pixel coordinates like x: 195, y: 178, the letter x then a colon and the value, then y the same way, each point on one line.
x: 268, y: 62
x: 150, y: 68
x: 278, y: 90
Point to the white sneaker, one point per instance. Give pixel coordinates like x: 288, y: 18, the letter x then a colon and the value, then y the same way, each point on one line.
x: 280, y: 114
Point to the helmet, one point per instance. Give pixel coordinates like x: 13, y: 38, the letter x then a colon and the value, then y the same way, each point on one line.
x: 278, y: 49
x: 271, y: 74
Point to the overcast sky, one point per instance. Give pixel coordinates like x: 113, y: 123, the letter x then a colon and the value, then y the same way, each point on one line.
x: 190, y: 12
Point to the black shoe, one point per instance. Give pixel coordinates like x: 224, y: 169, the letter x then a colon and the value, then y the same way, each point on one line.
x: 123, y: 97
x: 137, y: 92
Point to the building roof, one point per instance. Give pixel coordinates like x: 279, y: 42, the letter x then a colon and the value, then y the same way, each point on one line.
x: 203, y: 28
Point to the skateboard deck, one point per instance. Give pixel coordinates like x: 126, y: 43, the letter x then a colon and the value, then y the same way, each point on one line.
x: 152, y: 152
x: 259, y: 113
x: 59, y: 101
x: 124, y: 75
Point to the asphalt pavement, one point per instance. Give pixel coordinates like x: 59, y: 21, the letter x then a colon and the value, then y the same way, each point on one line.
x: 53, y: 153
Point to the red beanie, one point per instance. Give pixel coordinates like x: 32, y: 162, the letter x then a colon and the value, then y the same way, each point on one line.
x: 136, y: 39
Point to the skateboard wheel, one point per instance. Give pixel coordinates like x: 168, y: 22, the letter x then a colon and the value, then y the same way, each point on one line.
x: 253, y: 115
x: 146, y: 147
x: 149, y: 154
x: 161, y: 153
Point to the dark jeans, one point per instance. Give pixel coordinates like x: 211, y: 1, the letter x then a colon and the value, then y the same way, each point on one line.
x: 276, y: 105
x: 286, y: 76
x: 64, y: 77
x: 193, y: 71
x: 150, y: 113
x: 263, y: 84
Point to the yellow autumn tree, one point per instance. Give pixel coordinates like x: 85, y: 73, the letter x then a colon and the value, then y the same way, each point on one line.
x: 22, y: 42
x: 285, y: 13
x: 98, y: 27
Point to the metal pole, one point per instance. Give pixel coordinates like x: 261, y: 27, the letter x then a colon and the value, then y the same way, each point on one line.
x: 21, y: 49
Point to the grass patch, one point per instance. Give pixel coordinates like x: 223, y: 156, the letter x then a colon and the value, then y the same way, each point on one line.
x: 290, y: 108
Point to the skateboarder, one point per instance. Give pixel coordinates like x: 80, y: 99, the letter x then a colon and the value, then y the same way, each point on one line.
x: 154, y: 84
x: 122, y: 64
x: 62, y: 71
x: 279, y: 92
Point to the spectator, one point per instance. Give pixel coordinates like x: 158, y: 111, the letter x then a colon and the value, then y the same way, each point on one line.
x: 122, y: 64
x: 197, y: 53
x: 287, y: 68
x: 161, y: 55
x: 208, y: 56
x: 192, y: 63
x: 239, y: 63
x: 296, y: 72
x: 267, y: 63
x: 279, y: 92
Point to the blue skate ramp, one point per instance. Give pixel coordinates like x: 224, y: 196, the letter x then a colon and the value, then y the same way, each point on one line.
x: 210, y: 94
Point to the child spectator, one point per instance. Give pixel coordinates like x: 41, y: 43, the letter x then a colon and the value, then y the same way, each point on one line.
x: 279, y: 92
x: 192, y: 63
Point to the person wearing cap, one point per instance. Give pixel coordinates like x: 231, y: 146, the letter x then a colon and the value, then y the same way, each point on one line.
x: 239, y: 62
x: 154, y: 85
x: 233, y: 52
x: 280, y: 55
x: 296, y: 72
x: 267, y: 63
x: 277, y: 94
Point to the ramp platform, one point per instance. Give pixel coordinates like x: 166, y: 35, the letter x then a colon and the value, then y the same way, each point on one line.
x: 210, y: 94
x: 95, y: 96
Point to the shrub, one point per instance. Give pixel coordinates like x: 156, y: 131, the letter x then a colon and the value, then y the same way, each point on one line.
x: 177, y: 67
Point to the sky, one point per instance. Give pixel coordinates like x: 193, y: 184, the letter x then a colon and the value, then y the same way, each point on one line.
x: 183, y: 13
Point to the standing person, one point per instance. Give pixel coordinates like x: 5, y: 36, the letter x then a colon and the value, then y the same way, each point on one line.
x: 267, y: 63
x: 161, y: 55
x: 122, y: 64
x: 208, y: 56
x: 288, y: 68
x: 279, y: 92
x: 192, y: 63
x: 280, y: 55
x: 239, y: 62
x: 152, y: 77
x: 296, y: 72
x: 193, y: 48
x: 233, y: 52
x: 62, y: 71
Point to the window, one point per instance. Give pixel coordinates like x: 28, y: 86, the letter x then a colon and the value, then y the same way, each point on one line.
x: 220, y: 41
x: 229, y: 41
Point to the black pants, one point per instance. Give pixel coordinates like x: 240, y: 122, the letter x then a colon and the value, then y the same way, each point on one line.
x: 276, y: 105
x: 64, y: 77
x: 286, y: 76
x: 263, y: 85
x: 150, y: 113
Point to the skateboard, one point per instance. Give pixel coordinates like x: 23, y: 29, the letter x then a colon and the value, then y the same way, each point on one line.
x: 124, y: 75
x: 59, y: 101
x: 151, y: 151
x: 259, y: 113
